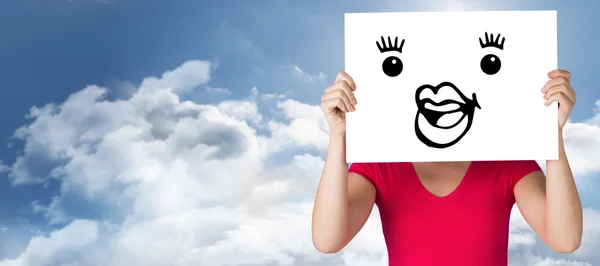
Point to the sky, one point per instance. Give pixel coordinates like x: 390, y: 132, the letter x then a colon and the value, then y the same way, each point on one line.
x: 122, y: 121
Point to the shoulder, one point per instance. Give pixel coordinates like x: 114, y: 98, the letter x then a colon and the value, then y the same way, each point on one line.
x: 516, y: 167
x: 512, y: 170
x: 379, y: 172
x: 501, y: 177
x: 384, y: 177
x: 511, y: 165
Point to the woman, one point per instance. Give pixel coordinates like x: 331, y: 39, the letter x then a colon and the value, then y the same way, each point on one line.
x: 445, y: 213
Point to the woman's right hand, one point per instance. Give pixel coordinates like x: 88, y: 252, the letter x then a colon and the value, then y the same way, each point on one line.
x: 337, y: 100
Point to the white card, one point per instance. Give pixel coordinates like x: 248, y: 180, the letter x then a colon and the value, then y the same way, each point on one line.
x: 454, y: 86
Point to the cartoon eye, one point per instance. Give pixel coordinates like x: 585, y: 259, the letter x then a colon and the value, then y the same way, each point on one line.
x: 392, y: 66
x: 490, y: 64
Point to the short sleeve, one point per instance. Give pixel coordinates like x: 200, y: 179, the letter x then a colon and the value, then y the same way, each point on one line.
x: 372, y: 173
x: 368, y: 170
x: 521, y: 169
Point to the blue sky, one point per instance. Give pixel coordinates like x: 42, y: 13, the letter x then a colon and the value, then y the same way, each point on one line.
x: 51, y: 49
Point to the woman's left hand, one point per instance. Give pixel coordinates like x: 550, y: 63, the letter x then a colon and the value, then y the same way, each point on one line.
x: 558, y: 89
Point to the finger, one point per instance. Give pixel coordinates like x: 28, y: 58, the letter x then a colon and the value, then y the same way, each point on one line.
x: 561, y: 88
x: 343, y: 85
x: 338, y: 94
x: 345, y: 77
x: 554, y: 82
x: 560, y: 73
x: 333, y: 103
x: 561, y: 99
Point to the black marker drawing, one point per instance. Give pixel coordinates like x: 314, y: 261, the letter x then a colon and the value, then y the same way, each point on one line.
x: 429, y: 113
x: 456, y: 106
x: 392, y: 66
x: 490, y: 64
x: 490, y: 42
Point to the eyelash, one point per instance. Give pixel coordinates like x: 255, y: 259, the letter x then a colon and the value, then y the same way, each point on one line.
x: 390, y: 47
x: 490, y: 42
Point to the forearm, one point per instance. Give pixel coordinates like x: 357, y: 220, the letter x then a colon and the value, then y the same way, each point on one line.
x: 330, y: 213
x: 564, y: 221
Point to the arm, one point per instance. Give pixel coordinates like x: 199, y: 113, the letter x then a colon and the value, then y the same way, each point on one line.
x: 551, y: 205
x: 343, y: 202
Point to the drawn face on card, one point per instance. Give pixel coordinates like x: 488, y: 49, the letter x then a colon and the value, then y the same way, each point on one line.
x: 444, y: 113
x: 448, y: 85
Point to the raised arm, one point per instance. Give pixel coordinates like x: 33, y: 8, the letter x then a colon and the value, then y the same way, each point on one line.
x: 343, y: 201
x: 551, y: 203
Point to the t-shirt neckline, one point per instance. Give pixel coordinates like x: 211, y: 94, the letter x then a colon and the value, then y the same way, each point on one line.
x: 453, y: 196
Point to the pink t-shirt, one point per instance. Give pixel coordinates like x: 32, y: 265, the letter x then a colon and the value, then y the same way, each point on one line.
x: 469, y: 227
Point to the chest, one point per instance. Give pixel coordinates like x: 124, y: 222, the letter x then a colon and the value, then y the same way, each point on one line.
x: 475, y: 221
x: 454, y: 232
x: 457, y: 214
x: 474, y: 206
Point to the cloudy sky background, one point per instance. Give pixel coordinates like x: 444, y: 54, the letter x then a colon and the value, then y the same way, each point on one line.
x: 189, y: 133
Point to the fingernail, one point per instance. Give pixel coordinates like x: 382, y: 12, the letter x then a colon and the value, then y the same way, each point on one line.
x: 355, y: 102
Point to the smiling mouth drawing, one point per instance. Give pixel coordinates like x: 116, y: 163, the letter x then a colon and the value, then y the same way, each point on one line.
x: 440, y: 121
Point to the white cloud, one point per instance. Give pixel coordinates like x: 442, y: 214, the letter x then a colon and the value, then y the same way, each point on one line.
x: 305, y: 76
x: 582, y: 145
x: 596, y: 119
x: 218, y: 90
x: 182, y: 79
x: 178, y: 183
x: 255, y: 93
x: 243, y: 110
x: 4, y: 167
x: 525, y: 248
x: 270, y: 96
x: 306, y: 126
x: 590, y: 243
x: 68, y: 241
